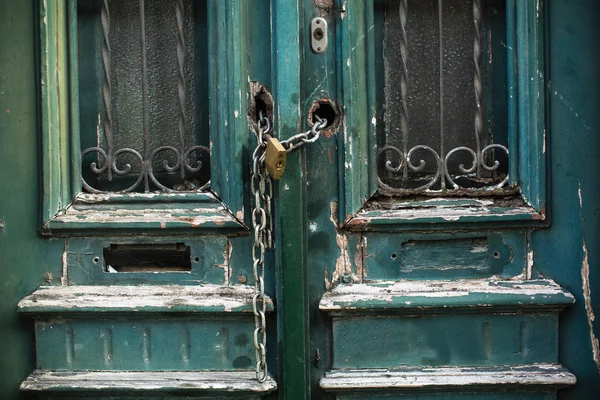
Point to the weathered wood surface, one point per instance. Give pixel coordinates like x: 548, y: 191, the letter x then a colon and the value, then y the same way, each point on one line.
x: 147, y: 381
x: 447, y: 377
x: 167, y: 298
x: 465, y: 294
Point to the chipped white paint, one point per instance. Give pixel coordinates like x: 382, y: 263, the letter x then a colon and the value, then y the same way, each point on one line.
x: 587, y: 291
x: 147, y: 381
x: 139, y: 298
x: 96, y: 198
x: 359, y: 259
x: 447, y: 377
x: 529, y: 264
x: 374, y: 121
x: 544, y: 142
x: 313, y: 226
x: 225, y: 265
x: 192, y: 217
x: 63, y: 278
x: 385, y: 292
x: 530, y: 257
x: 342, y: 265
x: 444, y: 213
x: 236, y: 114
x: 229, y: 270
x: 240, y: 214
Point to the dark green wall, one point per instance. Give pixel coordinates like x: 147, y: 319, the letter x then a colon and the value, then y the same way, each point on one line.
x: 25, y: 258
x: 28, y: 261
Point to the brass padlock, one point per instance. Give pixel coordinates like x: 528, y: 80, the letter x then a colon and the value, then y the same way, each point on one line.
x: 275, y: 157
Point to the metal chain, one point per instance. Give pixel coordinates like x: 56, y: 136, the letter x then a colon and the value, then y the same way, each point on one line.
x: 261, y: 188
x: 303, y: 138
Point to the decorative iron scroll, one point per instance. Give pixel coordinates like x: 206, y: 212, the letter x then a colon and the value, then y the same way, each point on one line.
x: 420, y: 169
x: 108, y: 163
x: 180, y: 160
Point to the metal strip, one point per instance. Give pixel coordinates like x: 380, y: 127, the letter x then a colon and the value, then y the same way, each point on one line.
x: 106, y: 86
x: 478, y: 81
x: 404, y: 78
x: 181, y: 89
x: 441, y: 38
x: 145, y: 122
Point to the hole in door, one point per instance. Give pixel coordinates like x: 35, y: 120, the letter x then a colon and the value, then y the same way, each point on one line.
x: 152, y: 258
x: 325, y: 109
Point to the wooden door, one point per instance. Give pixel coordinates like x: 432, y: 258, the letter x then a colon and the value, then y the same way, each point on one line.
x: 396, y: 273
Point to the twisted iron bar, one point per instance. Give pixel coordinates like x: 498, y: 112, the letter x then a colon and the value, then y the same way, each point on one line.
x: 181, y: 89
x: 441, y: 61
x: 106, y: 85
x: 478, y: 80
x: 403, y: 11
x: 145, y: 117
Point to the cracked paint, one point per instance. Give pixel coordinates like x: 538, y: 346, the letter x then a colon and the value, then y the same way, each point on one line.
x: 359, y: 259
x: 228, y: 248
x: 587, y: 295
x: 587, y: 291
x: 63, y: 278
x: 343, y: 264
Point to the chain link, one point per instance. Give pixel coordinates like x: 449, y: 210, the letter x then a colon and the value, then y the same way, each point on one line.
x: 261, y: 187
x: 310, y: 136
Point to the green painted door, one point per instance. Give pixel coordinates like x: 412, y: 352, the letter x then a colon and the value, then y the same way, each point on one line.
x: 437, y: 241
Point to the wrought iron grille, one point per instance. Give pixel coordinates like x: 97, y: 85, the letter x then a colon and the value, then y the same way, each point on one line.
x: 441, y: 97
x: 142, y: 80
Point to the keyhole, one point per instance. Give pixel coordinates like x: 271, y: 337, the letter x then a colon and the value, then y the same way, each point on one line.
x: 279, y: 165
x: 318, y: 34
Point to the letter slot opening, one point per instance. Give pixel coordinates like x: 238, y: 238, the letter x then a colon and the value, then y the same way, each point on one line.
x: 149, y: 258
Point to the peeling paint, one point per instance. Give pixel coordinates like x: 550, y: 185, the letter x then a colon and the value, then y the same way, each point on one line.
x: 343, y: 264
x: 164, y: 298
x: 240, y: 214
x: 385, y: 292
x: 63, y: 278
x: 161, y: 217
x: 228, y: 248
x: 144, y: 382
x: 529, y: 264
x: 343, y: 10
x: 359, y: 259
x: 587, y: 291
x: 587, y: 295
x: 530, y: 258
x: 451, y: 214
x: 446, y: 378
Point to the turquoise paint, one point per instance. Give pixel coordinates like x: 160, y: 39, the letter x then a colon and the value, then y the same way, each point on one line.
x: 153, y: 343
x: 574, y: 98
x: 456, y: 255
x: 384, y: 341
x: 572, y: 82
x: 86, y: 264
